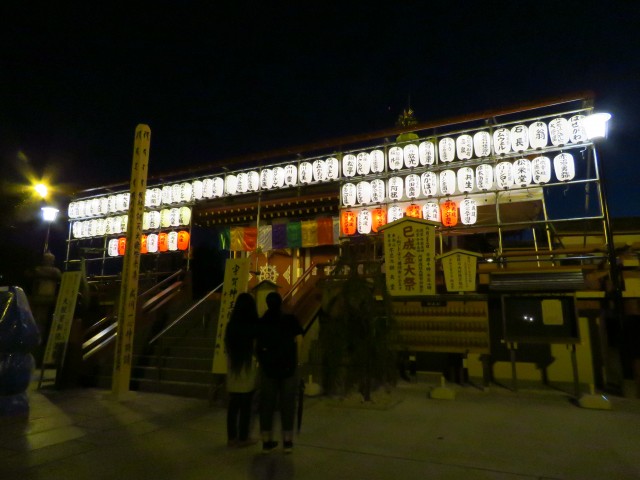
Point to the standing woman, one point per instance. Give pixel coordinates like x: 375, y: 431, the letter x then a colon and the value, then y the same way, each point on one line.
x: 241, y: 369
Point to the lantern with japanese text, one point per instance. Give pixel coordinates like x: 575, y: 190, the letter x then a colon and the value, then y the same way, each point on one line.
x: 377, y: 161
x: 111, y: 200
x: 447, y: 182
x: 349, y: 194
x: 519, y: 138
x: 305, y: 172
x: 174, y: 217
x: 183, y: 240
x: 333, y: 168
x: 118, y: 224
x: 395, y: 158
x: 101, y: 227
x: 278, y: 177
x: 365, y: 221
x: 143, y: 244
x: 163, y: 242
x: 429, y: 182
x: 464, y: 147
x: 152, y: 242
x: 412, y: 185
x: 175, y: 192
x: 447, y: 149
x: 197, y: 188
x: 484, y: 177
x: 363, y: 193
x: 363, y: 163
x: 94, y: 207
x: 564, y: 167
x: 502, y: 141
x: 578, y: 133
x: 377, y: 190
x: 538, y: 136
x: 541, y: 170
x: 394, y: 213
x: 522, y: 172
x: 241, y: 186
x: 108, y: 225
x: 559, y: 131
x: 184, y: 216
x: 348, y: 219
x: 411, y: 156
x: 449, y: 213
x: 349, y: 165
x: 122, y: 245
x: 504, y: 175
x: 217, y: 187
x: 172, y: 241
x: 378, y: 218
x: 468, y: 211
x: 266, y: 178
x: 93, y: 227
x: 394, y: 188
x: 320, y: 170
x: 155, y: 219
x: 414, y: 211
x: 112, y: 248
x: 186, y: 192
x: 482, y: 144
x: 230, y: 184
x: 290, y: 175
x: 431, y: 211
x: 427, y: 153
x: 465, y: 179
x: 104, y: 205
x: 72, y: 210
x: 253, y: 181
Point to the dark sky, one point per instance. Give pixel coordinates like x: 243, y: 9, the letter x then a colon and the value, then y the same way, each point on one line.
x: 215, y: 81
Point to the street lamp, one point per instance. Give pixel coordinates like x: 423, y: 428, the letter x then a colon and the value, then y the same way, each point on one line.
x: 49, y: 215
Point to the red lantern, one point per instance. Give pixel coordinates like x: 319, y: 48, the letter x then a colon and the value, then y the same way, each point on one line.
x: 348, y: 222
x: 122, y: 245
x: 183, y: 240
x: 449, y: 213
x: 163, y: 242
x: 414, y: 211
x: 378, y: 218
x: 143, y: 244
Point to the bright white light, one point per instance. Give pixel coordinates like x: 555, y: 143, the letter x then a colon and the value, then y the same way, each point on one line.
x: 595, y: 125
x: 41, y: 189
x: 49, y: 214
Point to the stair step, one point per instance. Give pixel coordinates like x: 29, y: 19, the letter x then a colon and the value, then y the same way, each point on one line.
x: 172, y: 375
x: 182, y: 389
x: 202, y: 364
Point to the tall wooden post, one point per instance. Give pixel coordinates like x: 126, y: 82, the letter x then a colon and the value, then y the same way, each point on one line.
x: 131, y: 264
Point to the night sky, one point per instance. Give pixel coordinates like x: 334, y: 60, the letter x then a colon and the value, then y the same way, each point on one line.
x: 215, y: 81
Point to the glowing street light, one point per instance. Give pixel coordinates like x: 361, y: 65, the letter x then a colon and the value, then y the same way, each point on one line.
x: 595, y: 125
x: 42, y: 190
x: 49, y: 215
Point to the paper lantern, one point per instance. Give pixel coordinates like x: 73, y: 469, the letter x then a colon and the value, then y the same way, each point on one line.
x: 577, y: 133
x: 447, y: 182
x: 253, y: 181
x: 333, y: 168
x: 175, y: 193
x: 431, y: 211
x: 111, y: 200
x: 363, y: 193
x: 377, y: 190
x: 429, y: 182
x: 101, y: 228
x: 522, y: 172
x: 94, y: 207
x: 155, y: 219
x: 427, y: 153
x: 412, y: 185
x: 72, y: 210
x: 197, y: 189
x: 349, y: 165
x: 377, y: 161
x: 564, y: 167
x: 502, y: 141
x: 165, y: 218
x: 348, y: 220
x: 365, y: 221
x: 172, y: 241
x: 504, y: 175
x: 378, y: 218
x: 217, y: 187
x: 93, y: 227
x: 156, y: 197
x: 305, y: 172
x: 278, y: 177
x: 118, y: 224
x: 143, y: 244
x: 290, y: 175
x: 320, y: 172
x: 183, y: 240
x: 484, y: 177
x: 242, y: 182
x: 465, y: 179
x: 464, y: 147
x: 85, y: 229
x: 559, y: 131
x: 174, y: 217
x: 152, y: 242
x: 468, y: 211
x: 349, y: 194
x: 104, y: 206
x: 112, y: 247
x: 394, y: 187
x: 541, y: 170
x: 122, y: 202
x: 538, y: 135
x: 395, y: 158
x: 207, y: 188
x: 266, y: 178
x: 125, y: 221
x: 163, y: 242
x: 108, y: 225
x: 186, y: 192
x: 447, y: 149
x: 411, y: 156
x: 122, y: 245
x: 414, y: 211
x: 363, y: 163
x: 76, y: 229
x: 231, y: 184
x: 482, y: 144
x: 519, y: 138
x: 449, y: 213
x: 394, y: 213
x: 184, y: 216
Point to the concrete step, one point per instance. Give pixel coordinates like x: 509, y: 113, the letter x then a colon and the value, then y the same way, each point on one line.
x: 182, y: 389
x: 172, y: 375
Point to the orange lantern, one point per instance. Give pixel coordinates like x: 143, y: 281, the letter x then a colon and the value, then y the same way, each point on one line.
x: 348, y: 222
x: 163, y: 242
x: 378, y: 218
x: 414, y: 211
x: 122, y: 245
x: 183, y: 240
x: 449, y: 213
x: 143, y: 244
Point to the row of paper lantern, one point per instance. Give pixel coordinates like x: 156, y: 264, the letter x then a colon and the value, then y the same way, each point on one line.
x: 152, y: 243
x: 165, y: 218
x: 449, y: 212
x: 519, y: 173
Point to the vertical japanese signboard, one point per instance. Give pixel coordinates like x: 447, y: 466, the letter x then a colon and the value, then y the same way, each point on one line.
x: 131, y: 264
x: 236, y: 281
x: 459, y: 268
x: 409, y: 250
x: 62, y: 317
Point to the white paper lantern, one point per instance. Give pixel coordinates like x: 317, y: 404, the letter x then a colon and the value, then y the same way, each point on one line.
x: 519, y: 138
x: 363, y: 163
x: 538, y: 135
x: 320, y: 171
x: 427, y: 153
x: 94, y: 208
x: 464, y: 147
x: 465, y: 179
x: 111, y: 200
x: 152, y: 243
x: 447, y: 149
x: 541, y: 170
x: 122, y: 202
x: 278, y: 177
x: 377, y: 190
x: 431, y: 211
x: 290, y: 175
x: 125, y: 222
x: 429, y: 182
x: 394, y: 212
x: 411, y: 156
x: 502, y: 141
x: 377, y: 161
x: 333, y: 168
x: 364, y: 221
x: 207, y: 188
x: 186, y: 192
x: 108, y: 226
x: 93, y: 228
x: 578, y: 134
x: 165, y: 218
x: 104, y: 206
x: 72, y: 210
x: 145, y: 221
x: 76, y: 229
x: 176, y: 191
x: 559, y: 131
x: 230, y: 184
x: 100, y: 227
x: 504, y: 175
x: 112, y: 247
x: 412, y: 186
x: 266, y: 178
x: 242, y: 183
x: 80, y: 208
x: 118, y: 226
x: 482, y: 144
x: 349, y: 194
x: 172, y: 241
x: 85, y: 228
x: 305, y: 172
x: 522, y: 172
x: 166, y: 195
x: 468, y: 211
x: 484, y: 177
x: 363, y: 193
x: 395, y: 158
x: 349, y: 165
x: 253, y: 181
x: 197, y: 188
x: 184, y: 216
x: 174, y: 217
x: 394, y: 188
x: 564, y: 167
x: 156, y: 197
x: 218, y: 186
x: 155, y: 219
x: 447, y: 182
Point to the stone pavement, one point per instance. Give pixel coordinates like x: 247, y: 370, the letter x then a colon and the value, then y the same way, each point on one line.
x: 536, y: 433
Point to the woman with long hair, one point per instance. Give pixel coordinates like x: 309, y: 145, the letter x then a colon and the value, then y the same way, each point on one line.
x: 241, y: 369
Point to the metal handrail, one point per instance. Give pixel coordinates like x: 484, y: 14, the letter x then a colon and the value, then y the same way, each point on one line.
x: 300, y: 281
x: 187, y: 312
x: 158, y: 285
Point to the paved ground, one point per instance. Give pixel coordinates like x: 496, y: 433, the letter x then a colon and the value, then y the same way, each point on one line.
x: 498, y: 434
